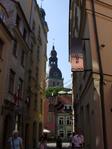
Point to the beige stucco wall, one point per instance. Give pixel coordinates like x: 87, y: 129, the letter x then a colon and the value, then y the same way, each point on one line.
x: 104, y: 24
x: 108, y: 108
x: 88, y: 85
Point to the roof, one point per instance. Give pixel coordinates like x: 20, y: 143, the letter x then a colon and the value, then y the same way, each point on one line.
x: 65, y: 99
x: 18, y: 3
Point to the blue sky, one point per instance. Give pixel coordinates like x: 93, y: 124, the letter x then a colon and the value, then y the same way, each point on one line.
x: 57, y: 12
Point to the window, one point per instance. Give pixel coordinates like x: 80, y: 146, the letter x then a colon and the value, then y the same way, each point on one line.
x: 15, y: 48
x: 1, y: 47
x: 11, y: 81
x: 70, y: 108
x: 61, y: 120
x: 3, y: 13
x: 67, y: 107
x: 17, y: 20
x: 33, y: 26
x: 68, y: 121
x: 24, y: 34
x: 2, y: 16
x: 22, y: 57
x: 20, y: 86
x: 29, y: 76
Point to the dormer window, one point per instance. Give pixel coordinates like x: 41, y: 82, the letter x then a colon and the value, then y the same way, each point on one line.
x: 3, y: 13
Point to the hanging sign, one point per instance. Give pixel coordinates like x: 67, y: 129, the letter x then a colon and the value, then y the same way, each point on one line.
x: 77, y: 60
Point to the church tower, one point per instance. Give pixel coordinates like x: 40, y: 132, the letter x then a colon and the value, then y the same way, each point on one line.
x: 54, y: 78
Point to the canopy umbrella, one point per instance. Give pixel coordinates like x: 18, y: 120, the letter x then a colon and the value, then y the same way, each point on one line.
x: 46, y: 131
x: 62, y: 92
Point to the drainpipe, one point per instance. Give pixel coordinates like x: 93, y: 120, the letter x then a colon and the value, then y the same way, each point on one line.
x: 101, y: 78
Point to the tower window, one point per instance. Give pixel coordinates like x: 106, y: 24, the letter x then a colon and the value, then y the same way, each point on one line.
x: 53, y: 83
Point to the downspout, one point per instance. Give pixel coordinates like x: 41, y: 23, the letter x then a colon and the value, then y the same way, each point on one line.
x: 101, y: 78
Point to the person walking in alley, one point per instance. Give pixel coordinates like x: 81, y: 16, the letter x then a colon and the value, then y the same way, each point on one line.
x: 59, y: 142
x: 72, y: 140
x: 78, y: 140
x: 43, y: 143
x: 15, y: 142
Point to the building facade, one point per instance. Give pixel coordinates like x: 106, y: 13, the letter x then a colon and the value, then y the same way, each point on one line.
x: 23, y: 40
x: 37, y: 72
x: 13, y: 68
x: 64, y: 124
x: 90, y: 35
x: 58, y: 116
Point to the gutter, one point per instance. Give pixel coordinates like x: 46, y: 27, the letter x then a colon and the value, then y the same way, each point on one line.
x: 101, y: 78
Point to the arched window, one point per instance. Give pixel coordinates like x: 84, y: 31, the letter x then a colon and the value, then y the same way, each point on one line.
x: 61, y: 120
x: 3, y: 13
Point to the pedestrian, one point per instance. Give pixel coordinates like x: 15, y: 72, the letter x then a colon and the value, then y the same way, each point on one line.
x: 59, y: 142
x: 15, y: 142
x: 78, y: 140
x: 43, y: 143
x: 72, y: 140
